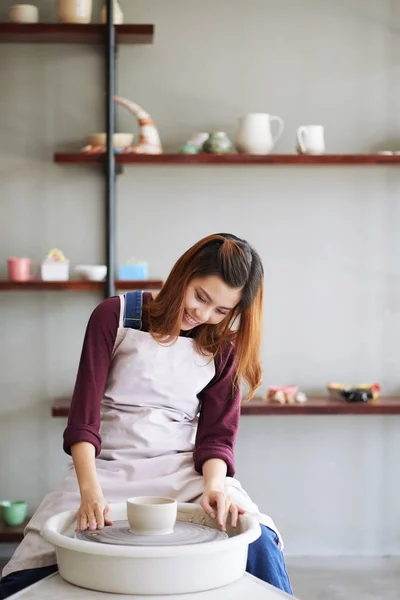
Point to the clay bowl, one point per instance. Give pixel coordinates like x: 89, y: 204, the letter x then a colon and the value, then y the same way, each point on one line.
x: 151, y: 515
x: 120, y: 140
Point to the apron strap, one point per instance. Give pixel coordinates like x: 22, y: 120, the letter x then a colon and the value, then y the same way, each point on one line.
x: 133, y: 310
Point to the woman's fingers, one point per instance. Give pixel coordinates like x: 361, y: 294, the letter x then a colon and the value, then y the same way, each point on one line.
x: 99, y: 515
x: 82, y: 522
x: 219, y: 505
x: 223, y: 505
x: 222, y: 501
x: 234, y: 514
x: 206, y: 506
x: 91, y: 519
x: 107, y: 519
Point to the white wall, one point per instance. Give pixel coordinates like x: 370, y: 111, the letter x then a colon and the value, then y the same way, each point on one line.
x: 328, y: 236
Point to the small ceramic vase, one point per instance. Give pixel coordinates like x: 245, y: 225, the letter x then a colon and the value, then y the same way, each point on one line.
x: 118, y: 14
x: 189, y: 148
x: 218, y: 143
x: 198, y: 139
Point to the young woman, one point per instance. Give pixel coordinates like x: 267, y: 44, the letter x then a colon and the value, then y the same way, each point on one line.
x: 156, y: 404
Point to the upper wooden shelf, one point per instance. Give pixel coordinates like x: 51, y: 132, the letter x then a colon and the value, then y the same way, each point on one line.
x: 71, y: 33
x: 12, y: 535
x: 77, y: 285
x: 227, y: 159
x: 314, y: 406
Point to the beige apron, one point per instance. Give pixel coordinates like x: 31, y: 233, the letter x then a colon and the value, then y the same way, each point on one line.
x: 148, y: 427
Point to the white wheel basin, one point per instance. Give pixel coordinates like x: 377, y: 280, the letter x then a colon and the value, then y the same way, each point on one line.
x: 151, y: 570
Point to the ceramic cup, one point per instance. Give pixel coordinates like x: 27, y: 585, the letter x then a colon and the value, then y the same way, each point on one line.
x: 19, y: 269
x: 13, y: 512
x: 23, y: 13
x: 151, y: 515
x: 310, y: 139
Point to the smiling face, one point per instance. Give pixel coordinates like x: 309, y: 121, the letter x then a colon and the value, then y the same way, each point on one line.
x: 208, y: 300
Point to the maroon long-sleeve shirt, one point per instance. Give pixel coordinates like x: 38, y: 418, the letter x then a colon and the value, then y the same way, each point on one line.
x: 219, y: 401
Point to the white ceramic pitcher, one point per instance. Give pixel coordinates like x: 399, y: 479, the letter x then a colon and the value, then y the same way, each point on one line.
x: 254, y: 134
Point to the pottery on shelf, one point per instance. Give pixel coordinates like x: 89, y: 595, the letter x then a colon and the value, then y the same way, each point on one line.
x: 92, y: 272
x: 254, y: 134
x: 149, y: 140
x: 74, y: 11
x: 218, y: 143
x: 133, y: 269
x: 188, y: 148
x: 194, y: 144
x: 120, y: 140
x: 19, y: 268
x: 310, y: 139
x: 23, y: 13
x: 198, y: 139
x: 285, y: 394
x: 55, y: 267
x: 13, y: 512
x: 117, y: 14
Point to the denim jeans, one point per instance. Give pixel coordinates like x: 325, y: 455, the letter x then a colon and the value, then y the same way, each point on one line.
x: 13, y: 583
x: 265, y: 561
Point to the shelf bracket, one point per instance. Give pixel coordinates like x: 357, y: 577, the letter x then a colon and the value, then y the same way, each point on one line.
x: 110, y: 212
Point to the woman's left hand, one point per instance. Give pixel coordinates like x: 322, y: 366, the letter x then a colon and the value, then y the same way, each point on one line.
x: 217, y: 505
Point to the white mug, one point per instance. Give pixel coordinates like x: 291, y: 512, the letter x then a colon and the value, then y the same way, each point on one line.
x: 310, y: 139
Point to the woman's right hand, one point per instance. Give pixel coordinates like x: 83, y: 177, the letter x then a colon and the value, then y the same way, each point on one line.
x: 93, y: 512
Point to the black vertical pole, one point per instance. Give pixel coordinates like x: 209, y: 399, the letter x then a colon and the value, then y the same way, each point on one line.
x: 110, y: 159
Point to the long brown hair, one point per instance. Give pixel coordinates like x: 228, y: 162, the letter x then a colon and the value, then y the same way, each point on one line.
x: 240, y: 267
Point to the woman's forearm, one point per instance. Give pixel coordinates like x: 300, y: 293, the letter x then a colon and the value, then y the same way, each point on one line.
x: 83, y: 456
x: 214, y: 473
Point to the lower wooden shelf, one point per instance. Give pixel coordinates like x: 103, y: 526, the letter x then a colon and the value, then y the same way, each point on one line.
x: 12, y: 535
x: 77, y: 285
x: 315, y: 406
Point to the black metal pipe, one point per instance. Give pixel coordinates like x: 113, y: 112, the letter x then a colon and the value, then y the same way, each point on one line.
x: 110, y: 158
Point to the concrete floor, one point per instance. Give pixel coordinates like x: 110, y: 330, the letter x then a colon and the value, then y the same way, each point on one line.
x: 345, y: 578
x: 341, y: 578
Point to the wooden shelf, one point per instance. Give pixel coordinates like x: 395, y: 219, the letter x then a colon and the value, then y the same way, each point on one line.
x: 71, y: 33
x: 145, y: 284
x: 77, y: 285
x: 84, y: 158
x: 60, y: 407
x: 314, y: 406
x: 11, y: 535
x: 324, y: 406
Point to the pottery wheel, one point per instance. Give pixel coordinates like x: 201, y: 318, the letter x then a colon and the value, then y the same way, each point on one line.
x: 183, y: 534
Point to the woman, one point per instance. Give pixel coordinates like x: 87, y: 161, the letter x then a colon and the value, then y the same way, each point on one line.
x: 156, y: 404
